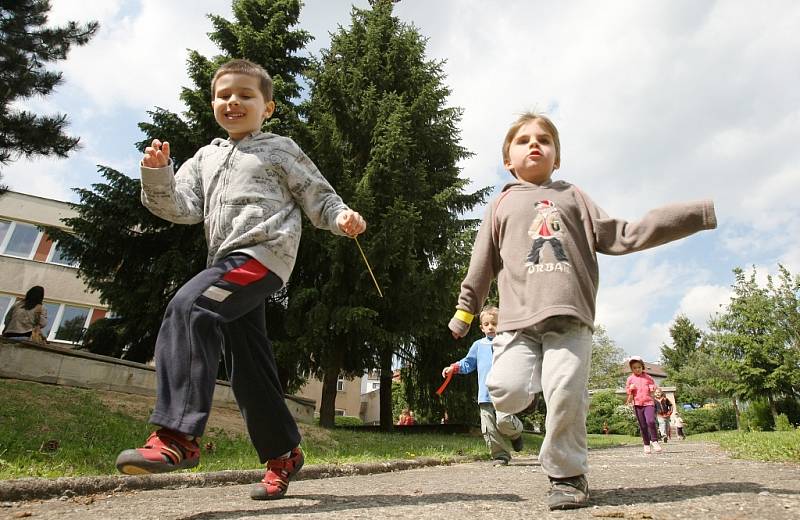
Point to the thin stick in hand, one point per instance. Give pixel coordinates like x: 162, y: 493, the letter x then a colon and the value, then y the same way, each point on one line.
x: 368, y: 267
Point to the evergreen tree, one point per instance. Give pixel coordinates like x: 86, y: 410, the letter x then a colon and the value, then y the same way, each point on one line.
x: 381, y: 133
x: 685, y: 338
x: 137, y: 261
x: 26, y: 49
x: 607, y: 358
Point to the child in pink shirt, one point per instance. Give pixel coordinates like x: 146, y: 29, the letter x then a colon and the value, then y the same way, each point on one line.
x: 639, y: 387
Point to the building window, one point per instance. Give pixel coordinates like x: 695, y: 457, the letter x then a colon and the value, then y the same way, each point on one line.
x: 340, y: 384
x: 338, y: 412
x: 375, y: 386
x: 19, y: 239
x: 57, y: 256
x: 66, y: 323
x: 6, y: 300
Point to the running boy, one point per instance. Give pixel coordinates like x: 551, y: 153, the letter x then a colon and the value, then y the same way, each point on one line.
x: 499, y: 429
x: 248, y: 191
x: 640, y: 387
x: 540, y: 238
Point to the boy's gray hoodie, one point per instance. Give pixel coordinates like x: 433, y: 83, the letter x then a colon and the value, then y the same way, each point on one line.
x: 541, y: 242
x: 248, y: 194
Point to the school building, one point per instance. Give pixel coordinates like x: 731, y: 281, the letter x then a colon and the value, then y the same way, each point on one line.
x: 28, y: 257
x: 355, y: 397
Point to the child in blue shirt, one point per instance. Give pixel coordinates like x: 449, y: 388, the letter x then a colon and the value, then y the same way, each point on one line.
x: 499, y: 429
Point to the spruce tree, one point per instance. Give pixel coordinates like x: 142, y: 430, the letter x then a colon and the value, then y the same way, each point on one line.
x: 381, y: 132
x: 27, y: 47
x: 137, y: 261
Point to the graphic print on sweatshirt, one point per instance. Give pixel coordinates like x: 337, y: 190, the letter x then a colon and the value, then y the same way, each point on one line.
x: 546, y: 229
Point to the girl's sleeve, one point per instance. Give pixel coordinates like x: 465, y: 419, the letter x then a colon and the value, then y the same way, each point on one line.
x: 43, y: 317
x: 659, y: 226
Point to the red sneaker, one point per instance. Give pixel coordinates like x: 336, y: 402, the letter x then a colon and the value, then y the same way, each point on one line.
x: 165, y: 450
x: 279, y: 473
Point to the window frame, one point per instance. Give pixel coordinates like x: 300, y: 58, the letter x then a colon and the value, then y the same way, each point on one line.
x: 10, y: 233
x: 51, y: 253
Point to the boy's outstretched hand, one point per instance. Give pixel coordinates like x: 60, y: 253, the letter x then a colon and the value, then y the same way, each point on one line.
x: 156, y: 155
x: 350, y: 222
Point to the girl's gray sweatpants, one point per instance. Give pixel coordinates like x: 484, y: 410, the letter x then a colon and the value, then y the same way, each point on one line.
x: 552, y: 357
x: 221, y: 310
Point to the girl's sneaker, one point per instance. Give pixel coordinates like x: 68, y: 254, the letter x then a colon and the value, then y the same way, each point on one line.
x: 647, y: 449
x: 279, y: 473
x: 165, y: 450
x: 656, y: 447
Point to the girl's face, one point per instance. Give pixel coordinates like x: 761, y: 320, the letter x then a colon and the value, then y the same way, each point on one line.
x: 637, y: 368
x: 532, y: 153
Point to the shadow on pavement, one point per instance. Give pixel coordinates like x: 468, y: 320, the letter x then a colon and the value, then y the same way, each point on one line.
x: 677, y: 493
x: 333, y: 503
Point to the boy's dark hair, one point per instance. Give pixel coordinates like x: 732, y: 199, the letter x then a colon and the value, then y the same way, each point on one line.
x: 34, y: 297
x: 249, y: 68
x: 521, y: 121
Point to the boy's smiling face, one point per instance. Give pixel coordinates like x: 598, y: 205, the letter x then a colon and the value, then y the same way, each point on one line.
x: 239, y: 106
x: 532, y: 153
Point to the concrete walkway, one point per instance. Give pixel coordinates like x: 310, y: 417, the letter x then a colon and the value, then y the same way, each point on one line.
x: 691, y: 480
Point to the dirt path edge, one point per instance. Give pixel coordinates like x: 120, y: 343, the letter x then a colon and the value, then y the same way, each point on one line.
x: 44, y: 488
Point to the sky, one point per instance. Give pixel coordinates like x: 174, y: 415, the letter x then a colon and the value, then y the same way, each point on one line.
x: 656, y: 102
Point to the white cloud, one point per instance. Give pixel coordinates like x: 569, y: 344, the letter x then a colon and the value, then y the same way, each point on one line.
x: 138, y: 58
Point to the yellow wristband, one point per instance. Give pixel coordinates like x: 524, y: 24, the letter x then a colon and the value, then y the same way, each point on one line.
x: 464, y: 316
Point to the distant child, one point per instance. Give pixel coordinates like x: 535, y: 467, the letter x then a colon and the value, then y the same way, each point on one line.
x: 500, y: 430
x: 639, y: 388
x: 663, y: 413
x: 406, y: 418
x: 679, y: 426
x: 540, y: 239
x: 248, y: 190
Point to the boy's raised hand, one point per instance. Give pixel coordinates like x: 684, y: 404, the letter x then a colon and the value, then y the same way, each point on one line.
x: 156, y: 155
x: 350, y: 222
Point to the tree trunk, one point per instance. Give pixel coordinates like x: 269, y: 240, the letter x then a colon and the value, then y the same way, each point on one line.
x: 327, y: 406
x: 387, y: 418
x: 773, y: 408
x: 738, y: 413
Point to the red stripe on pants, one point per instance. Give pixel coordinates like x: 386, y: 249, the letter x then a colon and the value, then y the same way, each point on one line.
x: 249, y: 272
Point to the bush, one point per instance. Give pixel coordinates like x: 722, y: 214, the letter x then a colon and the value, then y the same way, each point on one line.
x: 790, y: 406
x: 782, y: 424
x: 343, y: 420
x: 757, y: 417
x: 607, y: 407
x: 702, y: 420
x: 623, y: 421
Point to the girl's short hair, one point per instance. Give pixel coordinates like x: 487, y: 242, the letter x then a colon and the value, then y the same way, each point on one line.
x: 249, y: 68
x: 489, y: 311
x: 522, y: 120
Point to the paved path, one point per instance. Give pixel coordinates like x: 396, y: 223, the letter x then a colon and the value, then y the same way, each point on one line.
x: 691, y: 480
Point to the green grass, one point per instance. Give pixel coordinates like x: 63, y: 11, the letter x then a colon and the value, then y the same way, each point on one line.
x: 89, y: 436
x: 767, y: 446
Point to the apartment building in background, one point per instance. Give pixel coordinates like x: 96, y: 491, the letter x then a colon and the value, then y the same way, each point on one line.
x: 29, y: 257
x: 356, y: 397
